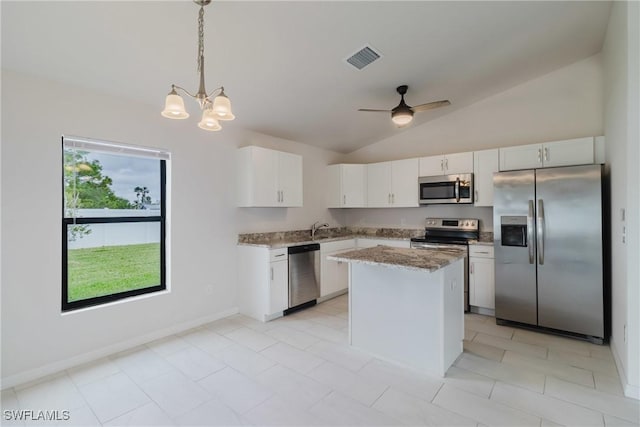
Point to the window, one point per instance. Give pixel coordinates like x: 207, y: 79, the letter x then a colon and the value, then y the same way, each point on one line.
x: 113, y: 222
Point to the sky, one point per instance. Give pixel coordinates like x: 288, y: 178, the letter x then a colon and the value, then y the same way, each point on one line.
x: 128, y: 173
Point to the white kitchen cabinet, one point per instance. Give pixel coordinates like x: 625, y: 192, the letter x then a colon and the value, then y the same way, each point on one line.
x: 268, y: 178
x: 578, y: 151
x: 263, y: 282
x: 365, y: 242
x: 448, y: 164
x: 485, y: 163
x: 347, y: 186
x: 392, y: 184
x: 334, y: 275
x: 482, y: 277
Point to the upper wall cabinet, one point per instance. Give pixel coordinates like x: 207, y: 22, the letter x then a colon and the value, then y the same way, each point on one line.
x: 392, y: 184
x: 449, y: 164
x: 347, y: 186
x: 268, y: 178
x: 485, y: 163
x: 579, y: 151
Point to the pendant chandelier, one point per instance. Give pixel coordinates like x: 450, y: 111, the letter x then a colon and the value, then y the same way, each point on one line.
x: 213, y: 108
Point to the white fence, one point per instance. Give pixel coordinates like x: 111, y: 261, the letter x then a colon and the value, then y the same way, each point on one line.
x: 129, y: 233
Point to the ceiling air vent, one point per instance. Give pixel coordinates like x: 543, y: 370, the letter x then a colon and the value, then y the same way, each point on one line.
x: 363, y: 57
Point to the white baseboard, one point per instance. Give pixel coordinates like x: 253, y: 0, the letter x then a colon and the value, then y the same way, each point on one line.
x: 630, y: 390
x: 53, y: 368
x: 332, y: 295
x: 482, y: 310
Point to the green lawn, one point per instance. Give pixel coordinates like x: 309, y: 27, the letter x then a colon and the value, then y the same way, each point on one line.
x: 107, y: 270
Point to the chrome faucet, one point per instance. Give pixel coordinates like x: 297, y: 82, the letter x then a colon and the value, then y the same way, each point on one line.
x: 315, y: 227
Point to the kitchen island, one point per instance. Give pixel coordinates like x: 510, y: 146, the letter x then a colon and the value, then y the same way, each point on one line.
x: 406, y: 305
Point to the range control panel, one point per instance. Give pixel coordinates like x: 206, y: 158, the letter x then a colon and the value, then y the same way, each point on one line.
x: 453, y: 223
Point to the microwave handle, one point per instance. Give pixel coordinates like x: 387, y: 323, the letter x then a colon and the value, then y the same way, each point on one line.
x: 457, y: 190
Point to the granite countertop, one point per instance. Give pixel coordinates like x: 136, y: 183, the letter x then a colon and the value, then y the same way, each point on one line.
x: 429, y: 259
x: 285, y: 239
x: 486, y: 239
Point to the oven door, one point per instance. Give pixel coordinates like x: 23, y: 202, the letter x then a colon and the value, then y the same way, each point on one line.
x: 446, y: 189
x: 420, y: 245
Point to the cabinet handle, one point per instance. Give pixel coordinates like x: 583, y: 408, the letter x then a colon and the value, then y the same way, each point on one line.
x: 476, y: 195
x: 272, y: 274
x: 442, y: 165
x: 344, y: 199
x: 393, y: 198
x: 389, y: 198
x: 539, y: 155
x: 279, y: 255
x: 470, y: 269
x: 446, y: 163
x: 546, y: 154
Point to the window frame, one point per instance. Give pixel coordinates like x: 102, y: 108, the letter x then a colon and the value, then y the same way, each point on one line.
x: 67, y: 306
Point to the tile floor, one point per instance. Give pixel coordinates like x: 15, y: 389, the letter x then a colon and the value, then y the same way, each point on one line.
x: 299, y: 370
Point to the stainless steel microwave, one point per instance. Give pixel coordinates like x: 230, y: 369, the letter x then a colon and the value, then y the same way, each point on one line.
x: 446, y: 189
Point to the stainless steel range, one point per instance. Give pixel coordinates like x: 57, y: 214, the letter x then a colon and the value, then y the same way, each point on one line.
x: 450, y: 232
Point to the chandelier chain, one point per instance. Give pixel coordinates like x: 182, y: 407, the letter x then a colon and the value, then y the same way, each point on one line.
x: 200, y: 37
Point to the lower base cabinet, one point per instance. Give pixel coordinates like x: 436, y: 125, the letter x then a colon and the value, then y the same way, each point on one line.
x: 334, y: 275
x: 263, y: 282
x: 482, y: 281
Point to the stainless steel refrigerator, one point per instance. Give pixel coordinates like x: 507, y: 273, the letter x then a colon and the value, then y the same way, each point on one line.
x: 549, y: 249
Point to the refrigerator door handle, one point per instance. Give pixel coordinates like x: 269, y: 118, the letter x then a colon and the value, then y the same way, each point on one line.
x: 457, y: 190
x: 530, y: 232
x: 540, y: 230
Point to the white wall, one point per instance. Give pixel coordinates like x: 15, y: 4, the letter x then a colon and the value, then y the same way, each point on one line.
x: 566, y: 103
x: 203, y: 219
x: 621, y: 58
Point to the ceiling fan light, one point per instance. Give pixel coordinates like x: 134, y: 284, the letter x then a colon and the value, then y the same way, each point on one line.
x: 174, y: 106
x: 209, y: 121
x: 402, y: 117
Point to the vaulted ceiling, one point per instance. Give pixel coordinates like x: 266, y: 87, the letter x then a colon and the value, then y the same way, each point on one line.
x: 283, y: 63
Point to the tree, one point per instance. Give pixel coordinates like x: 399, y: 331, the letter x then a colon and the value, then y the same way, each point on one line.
x: 85, y: 187
x: 142, y: 198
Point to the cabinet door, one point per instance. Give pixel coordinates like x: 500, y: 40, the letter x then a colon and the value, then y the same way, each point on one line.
x: 335, y: 275
x: 379, y: 185
x: 485, y: 163
x: 334, y: 186
x: 404, y: 183
x: 278, y: 287
x: 431, y: 166
x: 458, y: 163
x: 482, y: 282
x: 290, y: 179
x: 259, y: 167
x: 521, y: 157
x: 354, y: 188
x: 577, y: 151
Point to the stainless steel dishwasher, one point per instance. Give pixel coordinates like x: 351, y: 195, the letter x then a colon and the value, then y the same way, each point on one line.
x: 304, y: 276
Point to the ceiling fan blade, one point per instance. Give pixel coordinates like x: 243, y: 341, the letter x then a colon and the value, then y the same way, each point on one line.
x: 374, y: 111
x: 430, y: 105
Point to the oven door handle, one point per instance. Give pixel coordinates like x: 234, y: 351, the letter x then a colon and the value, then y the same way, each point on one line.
x: 456, y: 190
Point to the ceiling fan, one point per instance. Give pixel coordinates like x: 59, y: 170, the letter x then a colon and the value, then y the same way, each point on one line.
x: 402, y: 114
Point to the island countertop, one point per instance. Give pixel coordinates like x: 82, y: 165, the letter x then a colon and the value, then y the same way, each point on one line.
x: 430, y: 259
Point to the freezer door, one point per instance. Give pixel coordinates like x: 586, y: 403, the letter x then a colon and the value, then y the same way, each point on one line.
x: 570, y: 259
x: 514, y: 197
